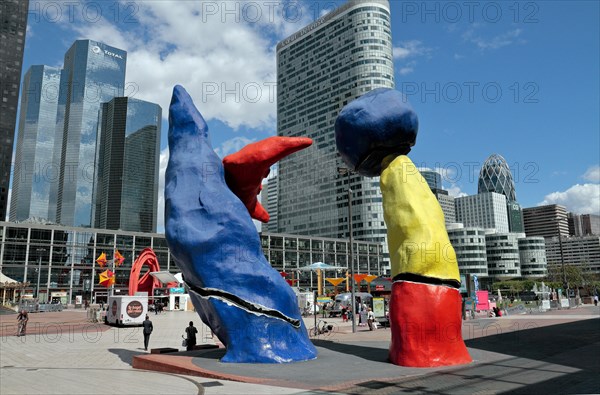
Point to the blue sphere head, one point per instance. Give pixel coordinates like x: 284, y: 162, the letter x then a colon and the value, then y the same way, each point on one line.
x: 377, y: 124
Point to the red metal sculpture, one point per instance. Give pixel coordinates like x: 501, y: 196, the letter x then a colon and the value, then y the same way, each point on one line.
x: 146, y: 283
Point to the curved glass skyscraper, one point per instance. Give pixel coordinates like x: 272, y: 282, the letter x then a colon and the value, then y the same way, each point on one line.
x: 321, y: 68
x: 495, y: 176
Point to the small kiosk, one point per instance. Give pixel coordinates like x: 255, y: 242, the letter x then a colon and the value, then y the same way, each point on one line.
x: 175, y: 297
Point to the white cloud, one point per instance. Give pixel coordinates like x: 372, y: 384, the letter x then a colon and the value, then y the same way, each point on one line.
x: 232, y: 145
x: 455, y: 191
x: 498, y: 41
x: 592, y: 174
x: 407, y: 50
x: 226, y: 62
x: 408, y: 68
x: 580, y: 199
x: 410, y: 48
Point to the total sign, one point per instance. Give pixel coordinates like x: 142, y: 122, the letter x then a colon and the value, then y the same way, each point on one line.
x: 97, y: 50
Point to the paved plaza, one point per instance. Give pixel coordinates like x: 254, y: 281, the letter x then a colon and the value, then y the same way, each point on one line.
x: 64, y: 353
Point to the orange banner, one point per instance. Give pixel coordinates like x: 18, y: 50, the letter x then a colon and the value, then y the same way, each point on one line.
x: 359, y: 277
x: 370, y: 278
x: 334, y: 281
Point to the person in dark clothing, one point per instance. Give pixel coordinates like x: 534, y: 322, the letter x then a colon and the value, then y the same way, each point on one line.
x: 22, y: 319
x: 147, y: 331
x: 191, y: 336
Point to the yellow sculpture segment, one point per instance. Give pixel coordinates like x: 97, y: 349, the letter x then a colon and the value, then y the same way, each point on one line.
x: 417, y: 236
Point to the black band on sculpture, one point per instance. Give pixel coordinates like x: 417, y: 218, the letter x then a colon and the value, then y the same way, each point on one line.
x: 416, y: 278
x: 243, y: 304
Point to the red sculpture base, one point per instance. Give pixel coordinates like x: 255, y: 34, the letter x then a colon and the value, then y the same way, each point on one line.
x: 425, y: 321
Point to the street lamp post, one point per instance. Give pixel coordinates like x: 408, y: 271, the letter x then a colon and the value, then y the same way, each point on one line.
x: 39, y: 270
x: 345, y: 171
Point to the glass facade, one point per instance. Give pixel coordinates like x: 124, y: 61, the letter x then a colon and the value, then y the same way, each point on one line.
x: 13, y: 25
x: 35, y: 144
x: 93, y: 73
x: 495, y: 176
x: 321, y: 68
x: 433, y: 178
x: 127, y: 163
x: 64, y: 258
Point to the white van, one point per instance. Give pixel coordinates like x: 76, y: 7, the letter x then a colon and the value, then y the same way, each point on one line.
x: 127, y: 310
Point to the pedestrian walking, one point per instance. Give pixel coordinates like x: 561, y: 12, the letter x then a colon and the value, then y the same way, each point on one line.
x: 190, y: 332
x: 370, y: 318
x: 595, y: 300
x: 147, y: 331
x: 22, y: 319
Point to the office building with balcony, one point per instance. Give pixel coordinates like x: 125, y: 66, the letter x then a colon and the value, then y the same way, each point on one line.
x: 546, y: 221
x: 503, y: 255
x: 35, y: 144
x: 532, y: 255
x: 470, y: 248
x: 321, y: 68
x: 125, y: 193
x: 580, y: 251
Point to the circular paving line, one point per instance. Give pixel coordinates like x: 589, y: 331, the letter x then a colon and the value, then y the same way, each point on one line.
x: 33, y: 369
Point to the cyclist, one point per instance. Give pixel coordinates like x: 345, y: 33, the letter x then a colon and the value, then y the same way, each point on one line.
x: 22, y: 319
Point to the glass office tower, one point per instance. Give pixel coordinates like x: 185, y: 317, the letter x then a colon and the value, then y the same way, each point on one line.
x: 93, y: 73
x: 127, y: 163
x: 13, y: 26
x: 35, y: 143
x: 321, y: 68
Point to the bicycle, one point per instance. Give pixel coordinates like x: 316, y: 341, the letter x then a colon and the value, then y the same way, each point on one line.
x: 22, y: 328
x: 322, y: 328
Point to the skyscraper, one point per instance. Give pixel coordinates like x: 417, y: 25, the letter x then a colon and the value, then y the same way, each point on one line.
x: 127, y: 164
x: 495, y: 176
x: 93, y: 73
x: 433, y: 178
x: 13, y: 24
x: 320, y: 69
x: 35, y: 144
x: 269, y: 202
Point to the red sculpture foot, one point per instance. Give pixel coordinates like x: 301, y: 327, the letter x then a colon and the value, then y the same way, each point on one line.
x: 425, y: 321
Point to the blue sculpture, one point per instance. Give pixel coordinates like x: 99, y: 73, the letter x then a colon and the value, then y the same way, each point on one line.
x: 379, y: 123
x: 246, y: 303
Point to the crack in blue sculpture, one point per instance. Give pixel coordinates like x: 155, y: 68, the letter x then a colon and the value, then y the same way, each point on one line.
x: 216, y: 246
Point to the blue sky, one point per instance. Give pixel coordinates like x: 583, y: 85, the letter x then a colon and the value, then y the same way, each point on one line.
x: 516, y: 78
